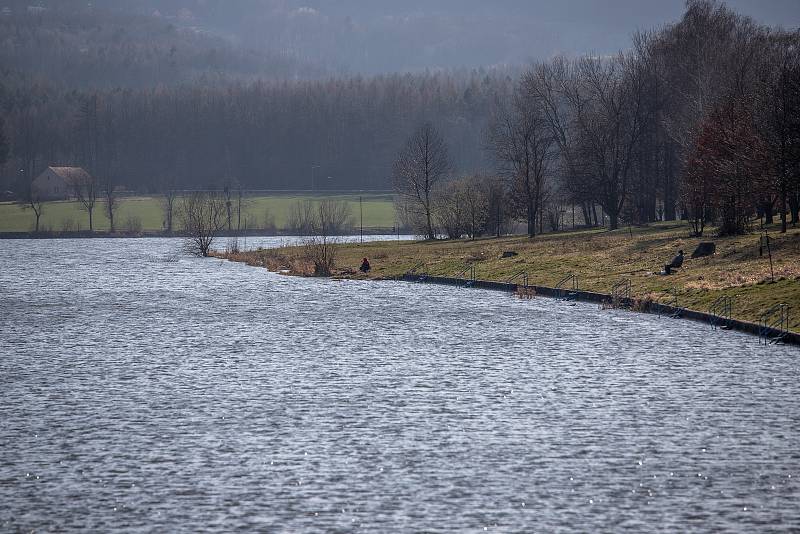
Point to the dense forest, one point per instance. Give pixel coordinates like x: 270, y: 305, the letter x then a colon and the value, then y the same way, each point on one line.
x: 696, y: 119
x: 340, y: 133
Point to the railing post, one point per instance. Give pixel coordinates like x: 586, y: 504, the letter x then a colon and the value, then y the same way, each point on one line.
x: 722, y: 308
x: 774, y: 320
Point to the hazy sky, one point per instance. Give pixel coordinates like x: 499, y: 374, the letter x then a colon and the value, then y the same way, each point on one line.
x: 397, y: 35
x: 370, y: 35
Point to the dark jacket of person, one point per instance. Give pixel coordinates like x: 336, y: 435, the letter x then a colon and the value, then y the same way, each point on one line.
x: 365, y: 266
x: 677, y: 261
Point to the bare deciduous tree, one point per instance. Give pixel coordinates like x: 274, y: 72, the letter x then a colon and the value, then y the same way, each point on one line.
x: 556, y: 205
x: 334, y: 217
x: 450, y: 211
x: 300, y: 216
x: 778, y: 100
x: 499, y: 219
x: 548, y: 85
x: 421, y: 166
x: 169, y: 196
x: 203, y: 216
x: 241, y: 204
x: 228, y: 191
x: 33, y: 201
x: 325, y: 217
x: 523, y: 145
x: 462, y: 207
x: 607, y: 104
x: 728, y: 168
x: 323, y: 220
x: 112, y: 200
x: 476, y: 204
x: 321, y: 252
x: 268, y: 222
x: 85, y: 188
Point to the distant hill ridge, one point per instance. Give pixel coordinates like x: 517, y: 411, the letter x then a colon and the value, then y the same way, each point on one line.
x: 72, y: 44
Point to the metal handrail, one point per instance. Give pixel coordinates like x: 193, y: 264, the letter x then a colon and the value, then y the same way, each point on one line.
x: 779, y: 315
x: 566, y: 279
x: 721, y: 310
x: 621, y: 290
x: 562, y: 291
x: 470, y: 269
x: 672, y: 295
x: 523, y: 274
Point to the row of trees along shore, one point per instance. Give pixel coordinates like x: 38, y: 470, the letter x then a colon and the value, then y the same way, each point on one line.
x: 228, y: 211
x: 700, y: 118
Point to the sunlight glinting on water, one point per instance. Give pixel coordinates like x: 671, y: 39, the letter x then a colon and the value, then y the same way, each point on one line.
x: 139, y: 394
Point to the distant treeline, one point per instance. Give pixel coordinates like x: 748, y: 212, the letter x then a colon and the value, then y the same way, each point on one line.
x: 335, y: 134
x: 78, y: 45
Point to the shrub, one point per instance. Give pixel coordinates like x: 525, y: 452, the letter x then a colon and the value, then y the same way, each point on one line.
x: 321, y: 252
x: 70, y: 225
x: 133, y: 224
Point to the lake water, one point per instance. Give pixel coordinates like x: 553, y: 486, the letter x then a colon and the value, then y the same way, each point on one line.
x: 205, y: 395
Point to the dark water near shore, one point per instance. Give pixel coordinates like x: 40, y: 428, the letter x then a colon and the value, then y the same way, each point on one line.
x: 206, y: 395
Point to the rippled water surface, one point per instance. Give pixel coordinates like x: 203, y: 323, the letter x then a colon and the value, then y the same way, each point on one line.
x: 205, y: 395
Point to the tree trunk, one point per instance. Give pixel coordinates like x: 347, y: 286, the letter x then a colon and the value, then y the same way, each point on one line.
x: 430, y: 224
x: 651, y: 208
x: 91, y: 224
x: 497, y: 222
x: 531, y: 219
x: 670, y: 213
x: 613, y: 220
x: 541, y: 217
x: 38, y: 215
x: 669, y: 190
x: 474, y: 231
x: 783, y: 206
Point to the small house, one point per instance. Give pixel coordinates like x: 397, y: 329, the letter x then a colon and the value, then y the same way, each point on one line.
x: 58, y: 183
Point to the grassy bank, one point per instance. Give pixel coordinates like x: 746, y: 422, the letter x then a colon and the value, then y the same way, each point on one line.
x: 599, y: 259
x: 260, y: 212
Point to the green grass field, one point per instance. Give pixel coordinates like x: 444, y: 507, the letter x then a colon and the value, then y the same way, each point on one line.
x: 258, y: 213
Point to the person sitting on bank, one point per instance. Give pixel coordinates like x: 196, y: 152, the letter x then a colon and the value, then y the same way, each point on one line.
x: 365, y: 266
x: 676, y: 263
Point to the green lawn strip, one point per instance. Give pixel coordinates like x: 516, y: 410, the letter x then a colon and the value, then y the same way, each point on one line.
x: 378, y: 213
